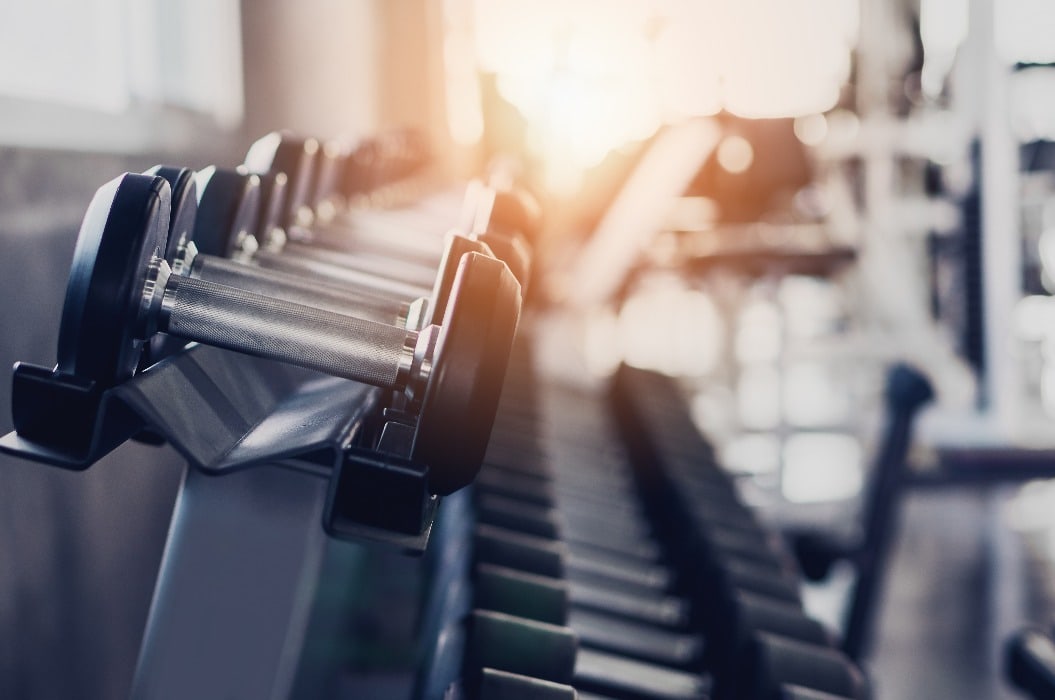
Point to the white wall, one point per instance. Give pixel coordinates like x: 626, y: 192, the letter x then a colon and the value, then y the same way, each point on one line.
x: 312, y: 66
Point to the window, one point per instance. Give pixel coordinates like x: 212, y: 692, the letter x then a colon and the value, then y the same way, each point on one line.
x: 121, y: 75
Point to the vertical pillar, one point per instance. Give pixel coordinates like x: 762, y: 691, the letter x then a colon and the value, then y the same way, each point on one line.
x: 1001, y: 237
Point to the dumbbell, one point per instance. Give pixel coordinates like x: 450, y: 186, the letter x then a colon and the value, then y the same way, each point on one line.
x: 311, y: 168
x: 350, y: 259
x: 517, y: 571
x: 774, y: 663
x: 506, y: 220
x: 121, y: 292
x: 342, y: 173
x: 376, y: 290
x: 740, y: 617
x: 499, y: 219
x: 225, y: 211
x: 329, y: 171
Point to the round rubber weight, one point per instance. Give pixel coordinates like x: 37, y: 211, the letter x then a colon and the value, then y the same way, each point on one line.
x: 228, y: 205
x: 273, y: 188
x: 453, y: 251
x: 284, y: 152
x: 472, y: 354
x: 126, y: 224
x: 512, y: 250
x: 516, y: 211
x: 184, y: 205
x: 184, y: 211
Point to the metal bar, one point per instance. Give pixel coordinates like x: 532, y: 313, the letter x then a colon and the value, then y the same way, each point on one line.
x: 234, y: 592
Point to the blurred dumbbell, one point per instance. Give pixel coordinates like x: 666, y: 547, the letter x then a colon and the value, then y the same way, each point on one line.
x: 121, y: 292
x: 739, y: 619
x: 776, y: 662
x: 521, y: 574
x: 500, y: 220
x: 519, y: 645
x: 551, y: 653
x: 222, y: 234
x: 502, y: 685
x: 219, y: 218
x: 498, y: 209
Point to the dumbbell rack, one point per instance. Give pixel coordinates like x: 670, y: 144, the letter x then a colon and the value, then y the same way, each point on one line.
x: 586, y: 557
x: 297, y: 452
x: 301, y: 454
x: 225, y: 412
x: 602, y: 553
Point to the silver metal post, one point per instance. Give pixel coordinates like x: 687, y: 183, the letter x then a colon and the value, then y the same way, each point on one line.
x: 234, y: 593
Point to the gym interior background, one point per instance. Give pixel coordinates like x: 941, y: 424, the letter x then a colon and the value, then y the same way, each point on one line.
x: 771, y: 201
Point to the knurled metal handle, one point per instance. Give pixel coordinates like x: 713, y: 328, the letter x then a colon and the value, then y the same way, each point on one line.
x: 344, y: 346
x: 297, y: 289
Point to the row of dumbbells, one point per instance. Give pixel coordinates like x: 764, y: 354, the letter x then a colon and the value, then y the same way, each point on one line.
x: 279, y: 259
x: 581, y: 570
x: 561, y: 589
x: 741, y: 581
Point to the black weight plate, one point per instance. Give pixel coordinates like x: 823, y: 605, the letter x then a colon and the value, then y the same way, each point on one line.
x: 455, y: 247
x: 126, y: 224
x: 228, y: 206
x: 273, y: 188
x: 516, y: 211
x: 184, y: 205
x: 360, y: 174
x: 328, y: 168
x: 282, y: 152
x: 184, y: 200
x: 513, y: 251
x: 472, y: 354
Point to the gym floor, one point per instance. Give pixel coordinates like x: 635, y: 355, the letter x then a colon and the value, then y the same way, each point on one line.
x: 954, y: 591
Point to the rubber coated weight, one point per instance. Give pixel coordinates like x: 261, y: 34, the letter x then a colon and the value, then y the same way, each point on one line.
x: 281, y: 152
x: 273, y: 187
x: 456, y: 248
x: 382, y: 160
x: 516, y: 211
x: 216, y: 209
x: 511, y: 250
x: 459, y: 406
x: 328, y: 168
x: 182, y: 216
x: 227, y: 207
x: 126, y: 224
x: 305, y: 162
x: 120, y: 290
x: 184, y: 205
x: 228, y: 211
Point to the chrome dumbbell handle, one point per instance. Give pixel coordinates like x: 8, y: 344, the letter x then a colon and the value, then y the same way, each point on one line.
x: 302, y: 290
x: 337, y: 274
x: 358, y: 349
